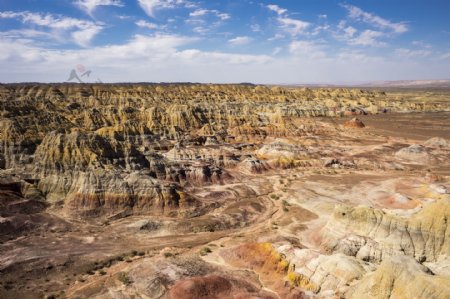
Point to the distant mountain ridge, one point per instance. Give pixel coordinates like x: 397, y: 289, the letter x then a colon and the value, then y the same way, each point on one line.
x: 408, y: 83
x: 441, y: 83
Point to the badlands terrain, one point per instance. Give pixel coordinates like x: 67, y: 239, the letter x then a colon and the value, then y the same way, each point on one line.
x: 223, y: 191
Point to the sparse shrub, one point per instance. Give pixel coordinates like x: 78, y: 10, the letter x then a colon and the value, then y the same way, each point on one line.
x: 285, y: 206
x: 102, y: 272
x: 285, y: 203
x: 283, y: 265
x: 107, y: 263
x: 124, y: 278
x: 292, y: 278
x: 205, y: 250
x: 302, y: 281
x: 168, y: 254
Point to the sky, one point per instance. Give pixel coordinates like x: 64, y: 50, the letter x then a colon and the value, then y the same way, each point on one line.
x: 224, y: 41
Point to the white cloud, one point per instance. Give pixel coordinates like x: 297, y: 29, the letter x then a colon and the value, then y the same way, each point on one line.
x: 150, y: 6
x: 312, y: 49
x: 223, y: 16
x: 18, y: 52
x: 368, y: 38
x: 202, y: 12
x: 318, y: 29
x: 82, y: 31
x: 445, y: 56
x: 83, y: 37
x: 150, y: 57
x: 357, y: 13
x: 408, y: 53
x: 292, y: 26
x: 349, y: 31
x: 421, y: 44
x: 199, y: 12
x: 349, y: 34
x: 47, y: 20
x: 90, y: 5
x: 345, y: 32
x: 277, y: 50
x: 200, y: 30
x: 357, y: 56
x: 277, y: 9
x: 26, y: 33
x: 145, y: 24
x: 215, y: 58
x: 193, y: 21
x: 239, y: 40
x: 277, y: 36
x: 255, y: 27
x: 160, y: 58
x: 200, y: 20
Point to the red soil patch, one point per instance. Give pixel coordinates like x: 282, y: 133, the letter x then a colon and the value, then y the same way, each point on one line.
x: 271, y: 266
x: 216, y: 287
x: 354, y: 123
x: 399, y: 202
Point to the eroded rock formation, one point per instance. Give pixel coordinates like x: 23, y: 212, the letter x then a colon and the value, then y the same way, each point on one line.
x: 221, y: 191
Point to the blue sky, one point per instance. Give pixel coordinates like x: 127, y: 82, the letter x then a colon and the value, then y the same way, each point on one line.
x: 304, y: 41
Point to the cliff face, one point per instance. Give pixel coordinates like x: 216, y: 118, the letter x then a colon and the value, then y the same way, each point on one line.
x: 371, y: 234
x: 400, y: 277
x: 77, y: 150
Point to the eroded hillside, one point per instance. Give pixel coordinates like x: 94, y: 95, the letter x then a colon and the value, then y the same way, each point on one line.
x: 222, y: 191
